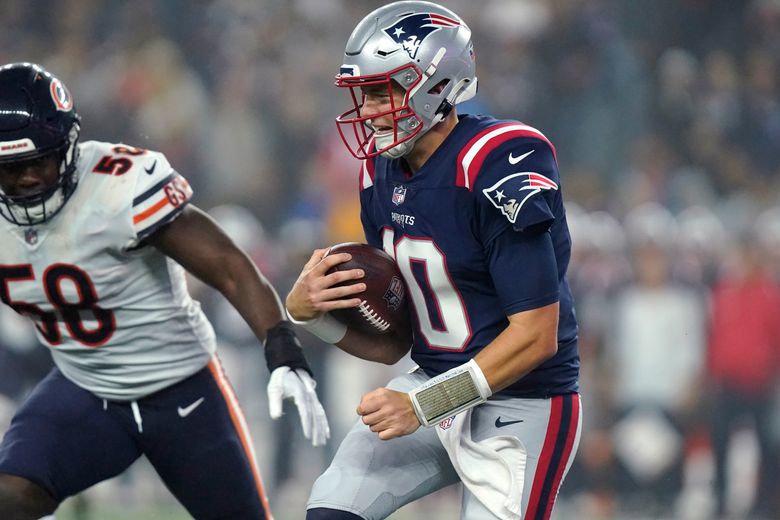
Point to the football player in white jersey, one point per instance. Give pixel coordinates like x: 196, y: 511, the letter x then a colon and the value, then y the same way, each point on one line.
x: 95, y: 240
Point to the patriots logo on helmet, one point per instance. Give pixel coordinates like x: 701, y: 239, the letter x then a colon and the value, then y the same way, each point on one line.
x: 510, y: 193
x: 411, y: 30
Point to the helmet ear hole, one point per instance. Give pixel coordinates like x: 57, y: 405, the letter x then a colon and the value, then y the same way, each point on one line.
x: 439, y: 87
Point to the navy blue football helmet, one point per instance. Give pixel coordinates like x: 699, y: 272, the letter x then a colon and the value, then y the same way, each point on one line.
x: 37, y: 119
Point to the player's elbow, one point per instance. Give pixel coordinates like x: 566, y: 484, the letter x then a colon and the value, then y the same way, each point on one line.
x: 547, y: 346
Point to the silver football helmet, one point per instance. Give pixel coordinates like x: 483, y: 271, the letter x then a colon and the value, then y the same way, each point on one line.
x: 422, y: 47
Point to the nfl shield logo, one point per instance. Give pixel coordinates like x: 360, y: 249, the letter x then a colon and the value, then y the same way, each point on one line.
x: 31, y: 236
x: 399, y: 194
x: 446, y: 423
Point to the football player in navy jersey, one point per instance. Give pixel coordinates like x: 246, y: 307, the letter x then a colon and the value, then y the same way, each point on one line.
x: 95, y: 239
x: 471, y: 208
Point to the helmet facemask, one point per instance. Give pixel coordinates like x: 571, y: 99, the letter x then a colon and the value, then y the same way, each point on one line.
x: 36, y: 208
x: 356, y: 130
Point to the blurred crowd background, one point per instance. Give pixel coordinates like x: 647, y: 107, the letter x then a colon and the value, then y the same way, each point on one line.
x: 666, y: 118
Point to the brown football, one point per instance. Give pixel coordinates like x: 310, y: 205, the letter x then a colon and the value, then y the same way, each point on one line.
x: 384, y: 308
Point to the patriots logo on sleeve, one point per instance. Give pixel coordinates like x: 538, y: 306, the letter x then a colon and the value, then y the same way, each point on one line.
x: 510, y: 193
x: 410, y: 31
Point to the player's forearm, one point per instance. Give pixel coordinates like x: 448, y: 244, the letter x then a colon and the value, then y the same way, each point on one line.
x: 528, y: 341
x: 251, y: 294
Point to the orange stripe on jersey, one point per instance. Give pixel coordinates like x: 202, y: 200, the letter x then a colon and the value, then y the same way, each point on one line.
x: 239, y: 423
x: 150, y: 211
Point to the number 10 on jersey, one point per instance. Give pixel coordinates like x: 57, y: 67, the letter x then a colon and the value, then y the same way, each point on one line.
x: 437, y: 303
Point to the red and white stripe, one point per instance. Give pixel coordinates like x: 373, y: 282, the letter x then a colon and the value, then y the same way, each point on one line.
x: 561, y: 440
x: 473, y: 155
x: 439, y: 19
x: 537, y: 180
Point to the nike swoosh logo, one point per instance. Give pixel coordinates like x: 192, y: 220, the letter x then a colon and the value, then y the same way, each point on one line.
x: 515, y: 160
x: 150, y: 170
x: 184, y: 412
x: 501, y: 424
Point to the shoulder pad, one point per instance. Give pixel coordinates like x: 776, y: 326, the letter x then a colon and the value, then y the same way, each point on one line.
x: 473, y: 155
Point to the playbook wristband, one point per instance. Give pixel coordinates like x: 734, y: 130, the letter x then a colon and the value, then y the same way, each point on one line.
x: 326, y: 327
x: 450, y: 393
x: 283, y: 349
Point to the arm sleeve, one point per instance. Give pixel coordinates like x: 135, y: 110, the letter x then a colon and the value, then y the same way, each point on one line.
x: 159, y: 197
x: 519, y: 194
x: 524, y: 270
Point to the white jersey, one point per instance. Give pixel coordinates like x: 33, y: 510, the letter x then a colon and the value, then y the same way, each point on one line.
x: 115, y: 312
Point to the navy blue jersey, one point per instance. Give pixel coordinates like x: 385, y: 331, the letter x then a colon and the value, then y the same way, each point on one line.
x: 479, y: 233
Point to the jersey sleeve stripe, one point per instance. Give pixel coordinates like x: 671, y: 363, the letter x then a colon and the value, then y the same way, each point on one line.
x: 162, y: 206
x: 154, y: 189
x: 157, y: 206
x: 473, y: 155
x: 149, y: 230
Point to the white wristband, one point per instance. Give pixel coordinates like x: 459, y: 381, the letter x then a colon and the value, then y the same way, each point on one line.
x: 326, y: 327
x: 450, y: 393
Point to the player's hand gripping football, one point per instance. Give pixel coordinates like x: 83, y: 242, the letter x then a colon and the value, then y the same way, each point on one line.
x: 314, y: 291
x: 388, y: 413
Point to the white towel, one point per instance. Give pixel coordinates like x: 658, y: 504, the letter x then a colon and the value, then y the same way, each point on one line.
x: 493, y: 469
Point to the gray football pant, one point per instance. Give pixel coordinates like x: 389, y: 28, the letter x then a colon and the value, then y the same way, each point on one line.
x: 373, y: 478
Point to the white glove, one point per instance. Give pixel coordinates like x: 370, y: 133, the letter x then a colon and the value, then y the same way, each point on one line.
x: 299, y: 385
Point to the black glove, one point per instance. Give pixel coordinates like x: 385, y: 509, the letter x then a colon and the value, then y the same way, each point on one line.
x: 282, y: 348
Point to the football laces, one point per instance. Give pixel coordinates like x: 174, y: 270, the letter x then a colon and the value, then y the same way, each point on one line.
x: 373, y: 317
